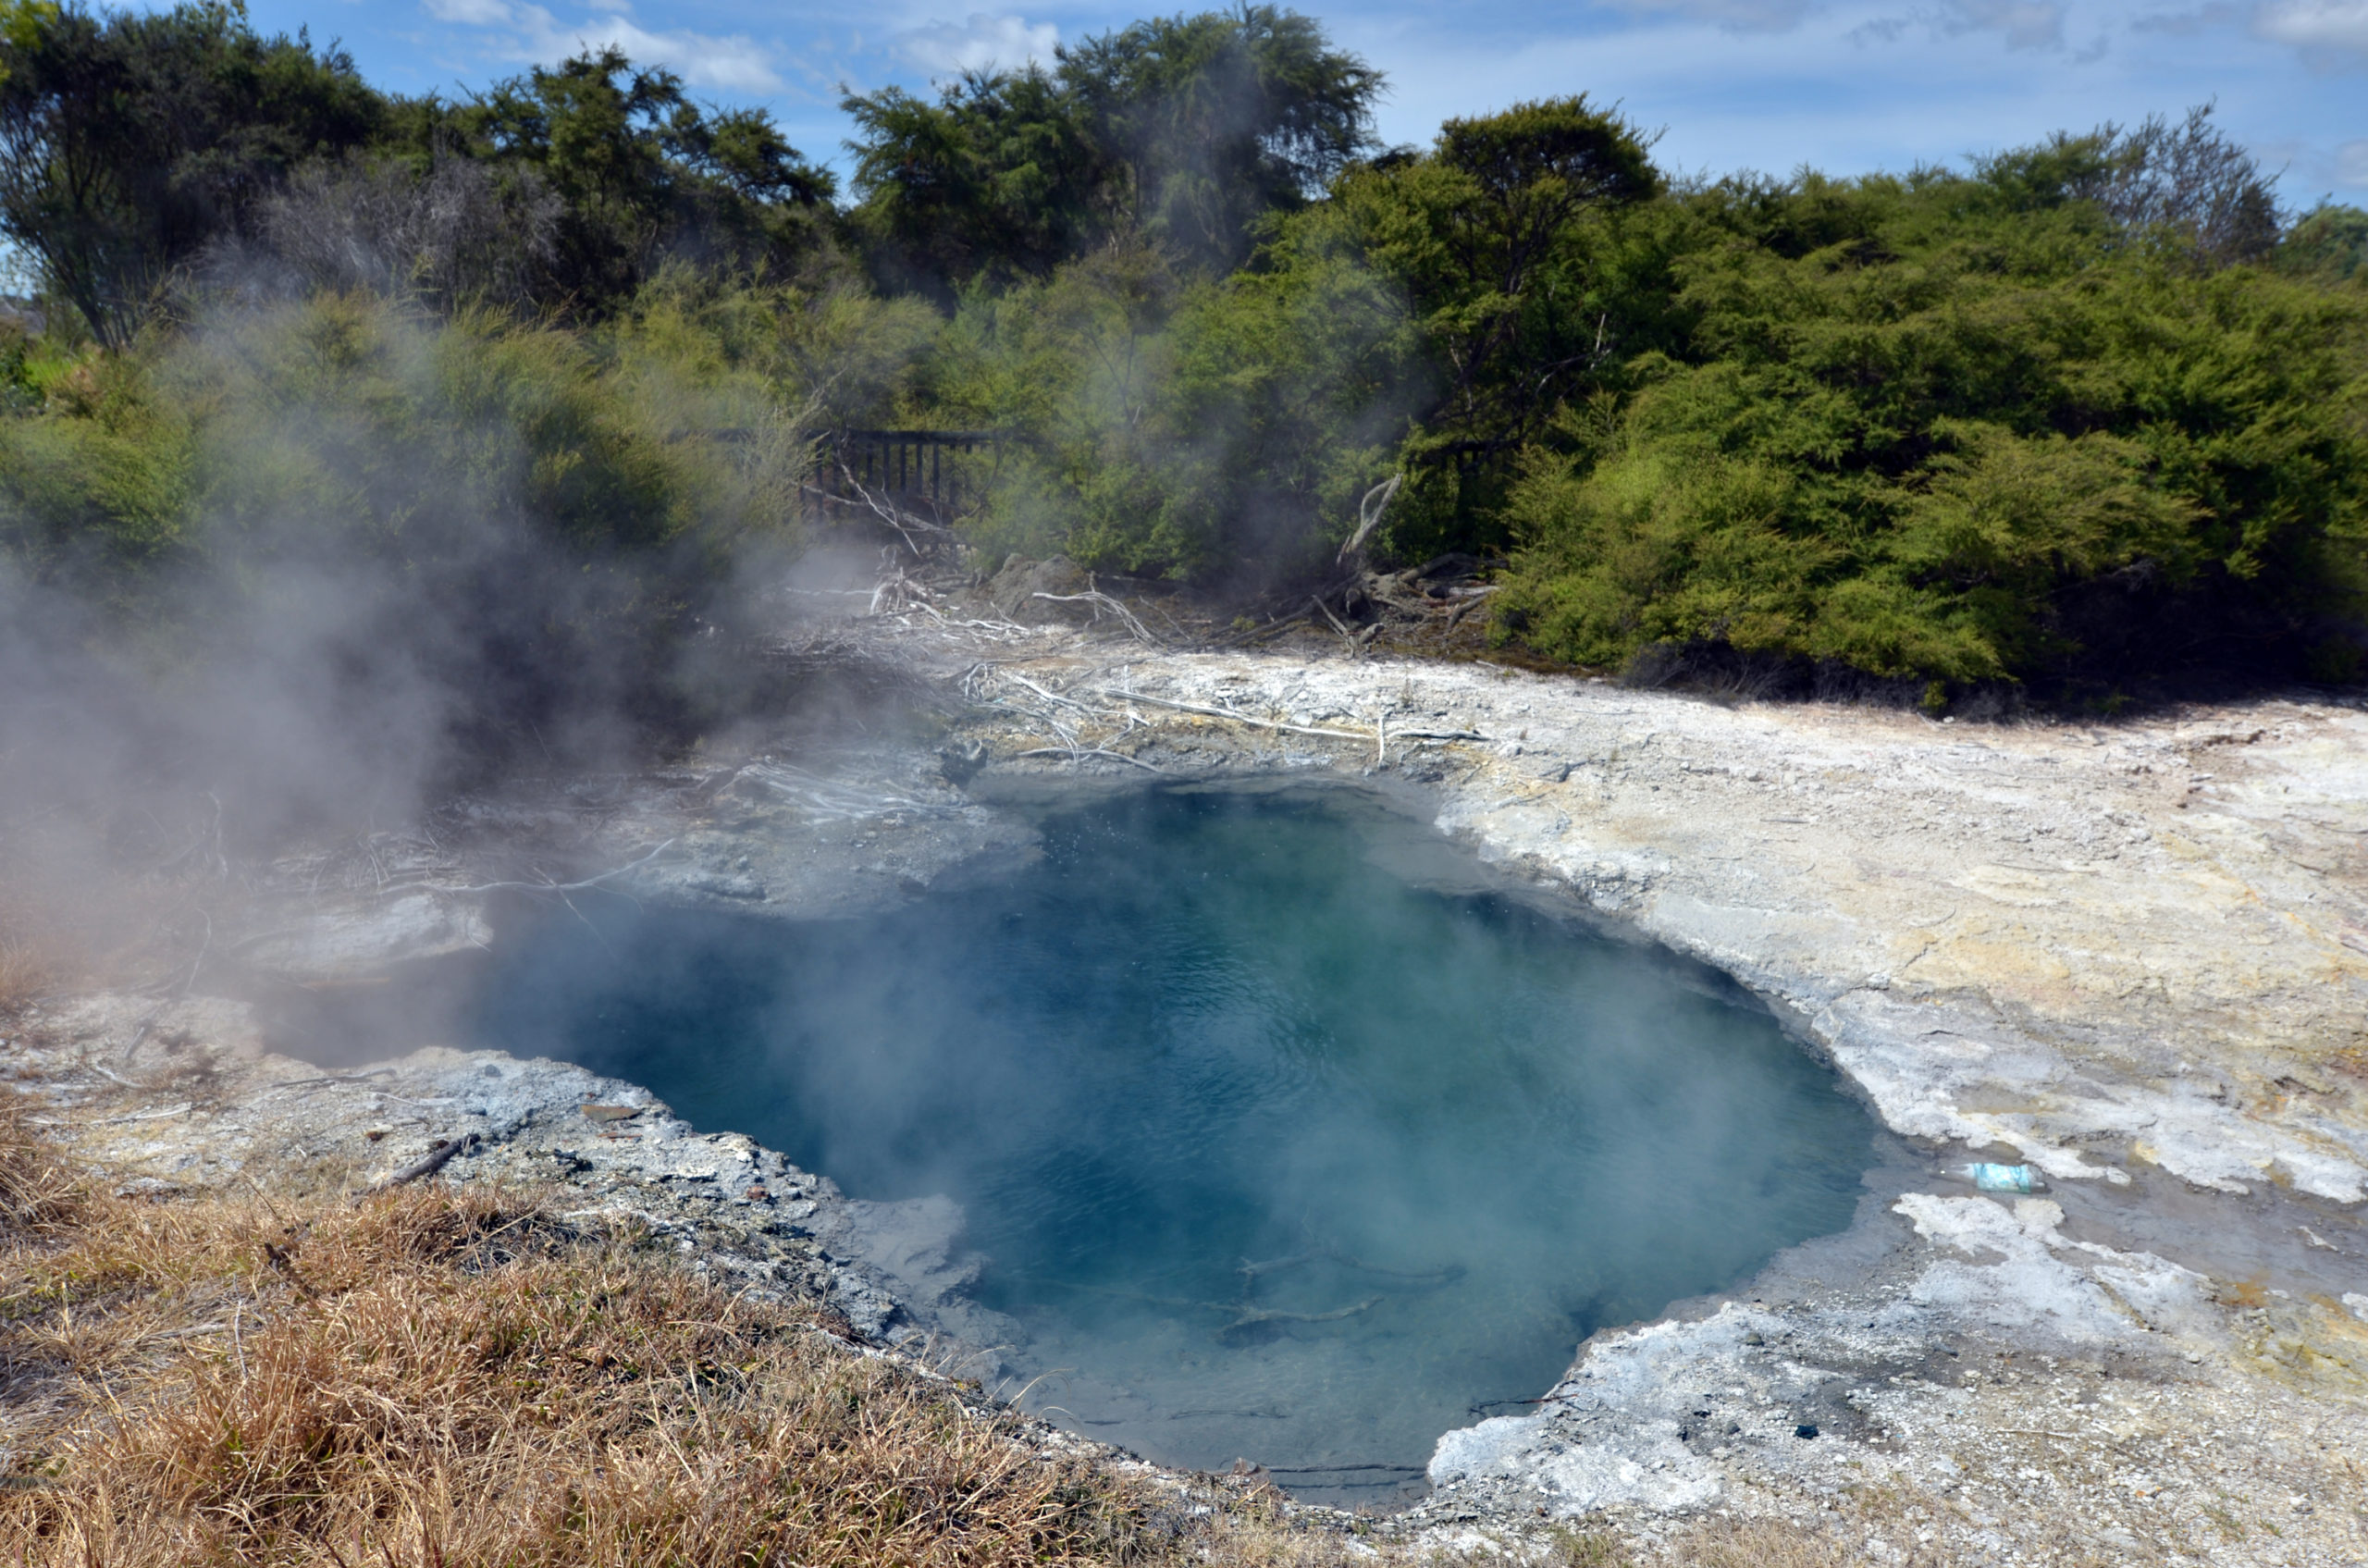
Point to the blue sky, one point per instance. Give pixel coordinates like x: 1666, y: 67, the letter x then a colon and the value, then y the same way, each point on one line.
x: 1843, y: 85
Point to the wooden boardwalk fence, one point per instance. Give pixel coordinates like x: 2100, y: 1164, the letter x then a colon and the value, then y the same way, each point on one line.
x: 939, y: 473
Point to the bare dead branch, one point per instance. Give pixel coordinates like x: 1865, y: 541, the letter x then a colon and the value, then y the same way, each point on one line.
x: 895, y: 516
x: 1239, y: 718
x: 565, y: 886
x: 436, y: 1159
x: 1102, y: 601
x: 1369, y: 512
x: 1073, y: 752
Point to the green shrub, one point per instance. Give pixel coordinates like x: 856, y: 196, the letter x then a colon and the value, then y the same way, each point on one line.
x: 98, y: 482
x: 513, y: 525
x: 1968, y: 444
x: 1221, y: 430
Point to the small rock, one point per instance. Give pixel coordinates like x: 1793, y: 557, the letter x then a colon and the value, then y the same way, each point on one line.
x: 1806, y: 1429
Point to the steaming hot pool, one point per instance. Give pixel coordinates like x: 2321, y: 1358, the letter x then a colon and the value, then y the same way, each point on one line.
x: 1283, y: 1136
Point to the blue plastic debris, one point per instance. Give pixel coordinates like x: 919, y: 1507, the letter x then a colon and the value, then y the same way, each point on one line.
x: 2005, y: 1178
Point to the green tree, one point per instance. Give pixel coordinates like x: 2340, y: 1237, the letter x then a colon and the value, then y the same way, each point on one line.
x: 642, y: 172
x: 128, y: 141
x: 1517, y: 242
x: 1190, y: 130
x: 1220, y: 119
x: 1002, y: 178
x: 2328, y: 242
x: 2186, y: 184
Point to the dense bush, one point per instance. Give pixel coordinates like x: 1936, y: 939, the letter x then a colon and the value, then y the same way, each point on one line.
x: 1969, y: 437
x: 450, y: 537
x: 1211, y: 429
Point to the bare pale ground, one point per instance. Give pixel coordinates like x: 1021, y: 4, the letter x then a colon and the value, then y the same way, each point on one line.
x: 2134, y: 954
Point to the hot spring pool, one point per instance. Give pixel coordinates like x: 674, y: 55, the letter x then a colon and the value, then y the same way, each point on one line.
x: 1283, y: 1140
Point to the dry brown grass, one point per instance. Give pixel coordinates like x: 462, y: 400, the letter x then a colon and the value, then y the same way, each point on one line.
x: 1764, y: 1543
x: 37, y: 1184
x: 441, y: 1378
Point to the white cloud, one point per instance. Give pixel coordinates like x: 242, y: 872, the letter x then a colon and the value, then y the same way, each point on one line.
x: 732, y: 63
x: 944, y: 48
x: 2187, y: 24
x: 470, y: 12
x: 2314, y: 25
x: 1735, y: 16
x: 2024, y: 24
x: 2027, y: 24
x: 2351, y: 164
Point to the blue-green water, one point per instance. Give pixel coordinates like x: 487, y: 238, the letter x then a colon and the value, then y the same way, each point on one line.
x: 1277, y: 1148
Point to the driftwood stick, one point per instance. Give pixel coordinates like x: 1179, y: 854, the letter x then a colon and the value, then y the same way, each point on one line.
x: 1237, y: 718
x: 896, y: 517
x: 1249, y: 1314
x: 1376, y: 501
x: 1015, y: 677
x: 182, y: 1110
x: 566, y: 886
x: 1555, y: 1398
x: 1358, y: 735
x: 1102, y: 601
x: 334, y: 1077
x: 436, y: 1159
x: 1075, y: 752
x: 1444, y: 1275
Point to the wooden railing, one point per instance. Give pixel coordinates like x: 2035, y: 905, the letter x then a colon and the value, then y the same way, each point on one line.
x: 946, y: 469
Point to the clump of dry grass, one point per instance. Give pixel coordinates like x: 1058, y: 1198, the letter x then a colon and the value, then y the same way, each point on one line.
x: 440, y: 1377
x: 38, y: 1190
